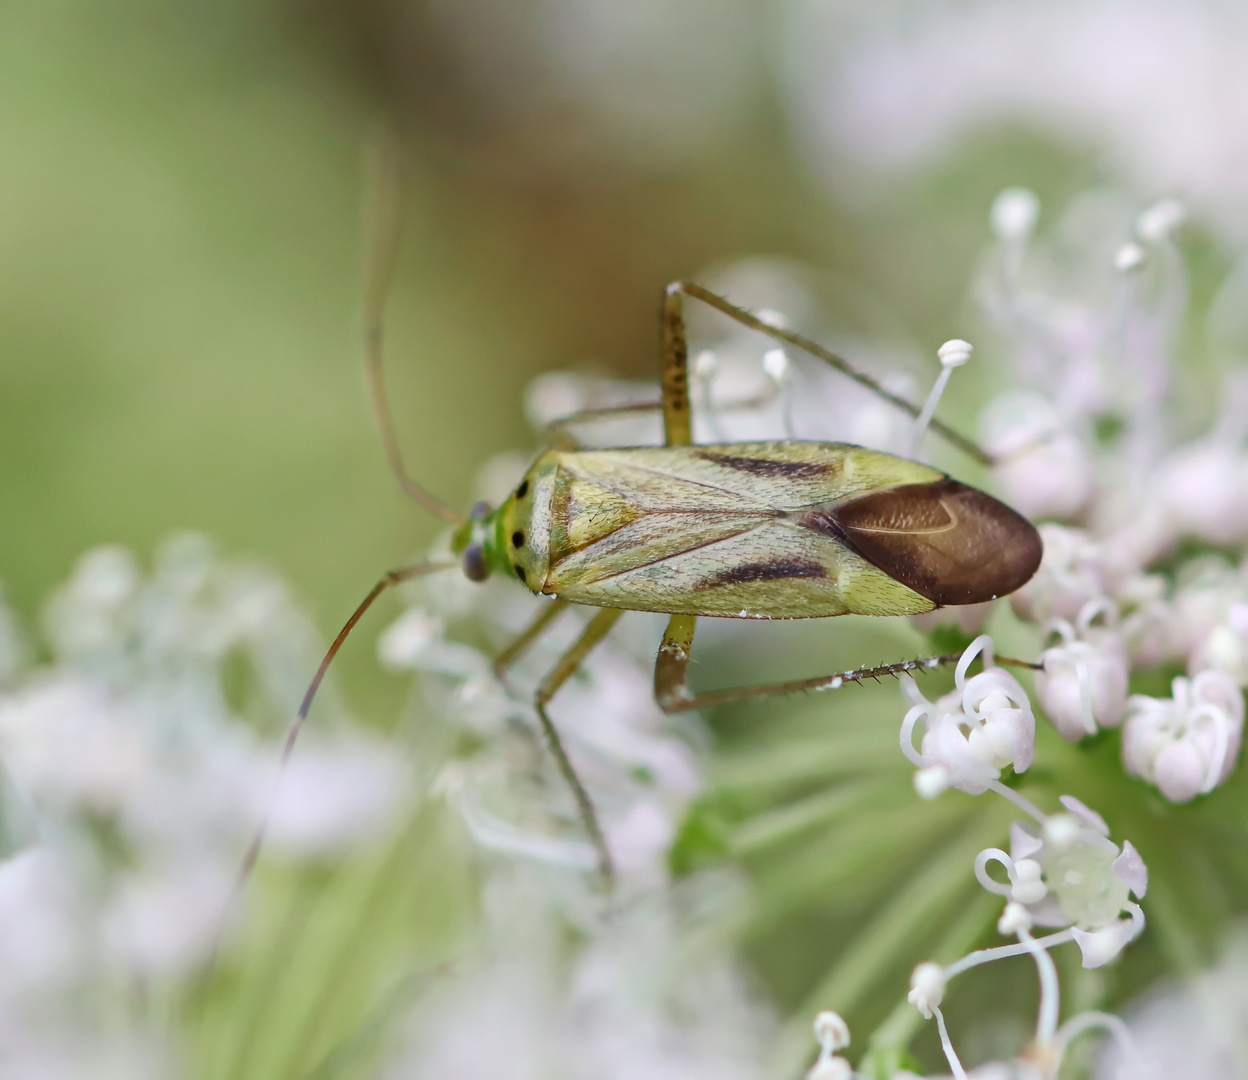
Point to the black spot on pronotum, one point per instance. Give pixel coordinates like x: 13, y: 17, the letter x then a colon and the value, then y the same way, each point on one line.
x: 772, y: 570
x: 517, y: 539
x: 519, y: 571
x: 948, y: 542
x: 475, y: 568
x: 768, y: 466
x: 522, y: 490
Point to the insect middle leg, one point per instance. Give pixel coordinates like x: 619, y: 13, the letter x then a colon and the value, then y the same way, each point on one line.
x: 598, y: 628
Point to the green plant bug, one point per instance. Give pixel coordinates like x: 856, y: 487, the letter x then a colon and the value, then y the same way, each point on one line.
x: 762, y: 530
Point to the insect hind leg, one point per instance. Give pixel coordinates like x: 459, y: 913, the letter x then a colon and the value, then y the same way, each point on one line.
x: 675, y: 358
x: 673, y: 695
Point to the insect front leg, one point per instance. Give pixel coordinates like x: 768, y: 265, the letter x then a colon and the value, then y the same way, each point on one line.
x: 598, y: 628
x: 520, y: 644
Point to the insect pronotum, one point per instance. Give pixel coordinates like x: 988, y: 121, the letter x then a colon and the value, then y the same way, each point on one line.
x: 763, y: 530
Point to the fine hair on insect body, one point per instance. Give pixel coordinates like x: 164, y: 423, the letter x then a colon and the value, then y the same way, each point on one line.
x: 779, y: 529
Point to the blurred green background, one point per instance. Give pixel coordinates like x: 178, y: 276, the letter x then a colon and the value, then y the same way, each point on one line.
x: 180, y: 266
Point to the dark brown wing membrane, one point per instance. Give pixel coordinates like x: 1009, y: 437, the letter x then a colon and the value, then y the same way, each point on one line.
x: 946, y: 541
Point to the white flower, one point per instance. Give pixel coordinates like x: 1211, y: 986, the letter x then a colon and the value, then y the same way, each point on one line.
x: 973, y: 733
x: 1084, y: 682
x: 1068, y: 873
x: 1186, y: 744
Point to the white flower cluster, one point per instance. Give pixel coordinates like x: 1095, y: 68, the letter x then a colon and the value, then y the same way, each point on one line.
x: 1087, y: 438
x: 1062, y: 871
x: 135, y: 774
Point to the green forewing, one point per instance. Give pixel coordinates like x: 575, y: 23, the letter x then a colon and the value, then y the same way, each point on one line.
x: 731, y: 530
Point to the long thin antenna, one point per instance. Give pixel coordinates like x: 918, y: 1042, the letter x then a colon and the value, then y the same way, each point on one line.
x: 828, y: 357
x: 382, y: 221
x: 388, y: 580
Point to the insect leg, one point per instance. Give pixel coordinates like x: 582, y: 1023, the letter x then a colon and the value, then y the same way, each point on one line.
x: 558, y: 436
x: 673, y: 695
x: 382, y: 248
x: 677, y: 423
x: 518, y: 645
x: 689, y: 288
x: 670, y: 688
x: 597, y: 629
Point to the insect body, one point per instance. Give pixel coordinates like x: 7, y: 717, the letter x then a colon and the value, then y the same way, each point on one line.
x: 766, y: 530
x: 775, y: 530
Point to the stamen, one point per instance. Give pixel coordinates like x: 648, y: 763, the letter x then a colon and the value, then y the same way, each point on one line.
x: 952, y: 354
x: 778, y: 369
x: 946, y: 1044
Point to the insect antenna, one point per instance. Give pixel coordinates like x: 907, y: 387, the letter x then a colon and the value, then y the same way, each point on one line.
x: 842, y: 365
x: 387, y: 581
x: 382, y: 246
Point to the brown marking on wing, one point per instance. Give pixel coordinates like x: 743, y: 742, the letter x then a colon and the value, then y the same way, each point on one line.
x: 767, y: 571
x: 949, y: 542
x: 768, y: 466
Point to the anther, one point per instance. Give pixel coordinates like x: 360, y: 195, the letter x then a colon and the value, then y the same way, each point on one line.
x: 952, y: 354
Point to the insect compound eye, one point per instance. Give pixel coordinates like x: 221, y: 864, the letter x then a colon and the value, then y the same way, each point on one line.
x: 475, y: 568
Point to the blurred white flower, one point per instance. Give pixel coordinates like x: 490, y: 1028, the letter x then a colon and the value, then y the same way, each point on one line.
x: 1043, y: 469
x: 1204, y: 487
x: 1186, y: 744
x: 649, y: 995
x: 1193, y: 1029
x: 1073, y: 571
x: 140, y: 783
x: 832, y: 1034
x: 334, y: 794
x: 1226, y: 647
x: 890, y: 87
